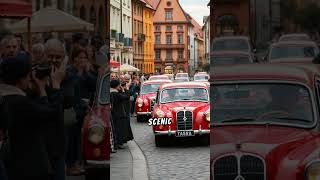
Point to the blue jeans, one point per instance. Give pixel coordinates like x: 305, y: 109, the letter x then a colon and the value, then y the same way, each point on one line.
x: 58, y: 166
x: 3, y: 171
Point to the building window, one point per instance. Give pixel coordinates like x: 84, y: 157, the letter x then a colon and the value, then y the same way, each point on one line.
x: 169, y: 54
x: 92, y: 16
x: 169, y: 39
x: 158, y: 54
x: 180, y: 54
x: 180, y: 39
x: 158, y: 39
x: 180, y: 28
x: 168, y: 14
x: 158, y: 28
x: 168, y: 28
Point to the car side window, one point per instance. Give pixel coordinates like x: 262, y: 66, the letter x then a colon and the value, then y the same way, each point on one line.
x: 104, y: 89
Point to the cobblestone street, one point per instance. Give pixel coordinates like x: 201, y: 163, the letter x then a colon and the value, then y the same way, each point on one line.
x: 185, y: 159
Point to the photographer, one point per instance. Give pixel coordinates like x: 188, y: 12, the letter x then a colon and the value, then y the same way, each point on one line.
x: 26, y: 119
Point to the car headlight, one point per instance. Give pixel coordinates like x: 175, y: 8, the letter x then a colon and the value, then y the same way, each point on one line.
x: 160, y: 114
x: 140, y: 102
x: 313, y: 171
x: 207, y: 116
x: 96, y: 134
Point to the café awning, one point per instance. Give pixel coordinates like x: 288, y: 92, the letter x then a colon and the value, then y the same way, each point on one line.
x: 52, y: 20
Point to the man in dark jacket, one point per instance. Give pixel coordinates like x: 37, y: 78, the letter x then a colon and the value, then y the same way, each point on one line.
x: 27, y: 119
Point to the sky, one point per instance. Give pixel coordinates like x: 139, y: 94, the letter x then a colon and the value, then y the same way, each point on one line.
x: 196, y: 8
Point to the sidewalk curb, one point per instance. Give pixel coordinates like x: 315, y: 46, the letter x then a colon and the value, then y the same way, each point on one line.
x: 139, y: 162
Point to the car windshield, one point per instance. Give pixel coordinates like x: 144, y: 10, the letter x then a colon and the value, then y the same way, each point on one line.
x: 181, y: 80
x: 295, y: 38
x: 184, y: 94
x: 159, y: 78
x: 150, y: 88
x: 182, y: 75
x: 262, y: 103
x: 201, y: 77
x: 293, y: 52
x: 231, y: 45
x: 230, y: 60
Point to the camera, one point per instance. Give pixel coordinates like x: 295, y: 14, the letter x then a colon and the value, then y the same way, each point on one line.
x: 42, y: 70
x: 123, y: 84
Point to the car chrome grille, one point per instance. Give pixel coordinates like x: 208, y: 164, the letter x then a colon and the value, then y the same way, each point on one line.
x: 233, y: 167
x: 152, y: 103
x: 184, y: 120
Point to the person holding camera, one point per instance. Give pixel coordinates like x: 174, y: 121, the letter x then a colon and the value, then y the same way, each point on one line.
x: 26, y: 119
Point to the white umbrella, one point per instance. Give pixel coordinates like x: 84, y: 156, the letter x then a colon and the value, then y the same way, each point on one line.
x: 128, y: 68
x: 52, y: 20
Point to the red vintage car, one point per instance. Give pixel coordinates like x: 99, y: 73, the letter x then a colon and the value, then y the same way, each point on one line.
x: 145, y: 100
x: 265, y: 122
x: 96, y: 134
x: 158, y: 77
x: 181, y: 110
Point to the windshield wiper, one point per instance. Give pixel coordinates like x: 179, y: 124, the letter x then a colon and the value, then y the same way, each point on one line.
x: 293, y: 119
x: 238, y: 120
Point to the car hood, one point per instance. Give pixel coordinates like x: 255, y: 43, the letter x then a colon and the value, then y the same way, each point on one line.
x: 178, y: 106
x: 148, y: 96
x: 266, y: 141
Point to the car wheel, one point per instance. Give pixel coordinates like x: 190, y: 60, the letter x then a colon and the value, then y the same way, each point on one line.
x: 161, y: 141
x: 139, y: 118
x: 98, y: 175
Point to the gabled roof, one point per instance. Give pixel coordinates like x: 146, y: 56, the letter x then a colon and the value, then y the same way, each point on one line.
x: 153, y: 3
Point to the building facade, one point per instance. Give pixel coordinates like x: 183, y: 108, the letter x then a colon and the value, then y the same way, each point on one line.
x: 126, y: 29
x: 148, y: 47
x: 116, y: 36
x: 138, y: 34
x: 171, y: 27
x: 64, y: 5
x: 206, y: 38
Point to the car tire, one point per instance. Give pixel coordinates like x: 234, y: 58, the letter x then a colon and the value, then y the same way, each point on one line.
x: 139, y: 118
x: 161, y: 141
x: 101, y: 174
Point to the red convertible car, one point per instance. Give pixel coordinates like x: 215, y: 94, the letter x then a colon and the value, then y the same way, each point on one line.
x: 265, y: 122
x: 145, y: 100
x: 181, y: 110
x: 96, y: 134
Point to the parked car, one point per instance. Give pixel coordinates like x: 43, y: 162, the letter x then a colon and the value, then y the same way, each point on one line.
x: 232, y: 43
x: 201, y: 77
x: 158, y: 77
x: 182, y: 75
x: 171, y: 76
x: 295, y: 37
x: 265, y: 122
x: 146, y: 99
x: 188, y: 106
x: 96, y: 134
x: 231, y: 58
x: 181, y: 79
x: 292, y: 51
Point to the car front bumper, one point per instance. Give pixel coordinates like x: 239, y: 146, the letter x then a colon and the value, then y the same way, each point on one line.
x: 94, y: 164
x: 173, y: 133
x: 144, y: 113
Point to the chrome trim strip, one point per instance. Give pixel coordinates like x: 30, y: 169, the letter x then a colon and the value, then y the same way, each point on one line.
x: 182, y: 87
x: 204, y: 131
x: 238, y: 155
x: 267, y: 81
x: 143, y: 113
x: 95, y: 162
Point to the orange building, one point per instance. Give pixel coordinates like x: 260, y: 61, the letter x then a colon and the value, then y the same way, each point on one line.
x: 171, y: 37
x: 148, y: 12
x: 138, y: 36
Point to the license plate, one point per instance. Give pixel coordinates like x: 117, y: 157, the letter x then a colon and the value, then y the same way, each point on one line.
x: 184, y: 133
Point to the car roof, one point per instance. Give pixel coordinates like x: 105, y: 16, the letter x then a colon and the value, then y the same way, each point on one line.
x: 294, y: 34
x: 182, y: 73
x: 157, y: 81
x: 181, y: 78
x: 285, y: 72
x: 184, y: 84
x: 221, y: 53
x: 158, y: 75
x: 281, y: 43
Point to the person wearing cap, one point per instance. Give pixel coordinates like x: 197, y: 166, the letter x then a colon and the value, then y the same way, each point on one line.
x: 26, y: 119
x: 118, y: 98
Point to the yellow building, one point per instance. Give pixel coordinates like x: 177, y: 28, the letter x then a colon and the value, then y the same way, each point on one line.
x: 148, y: 12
